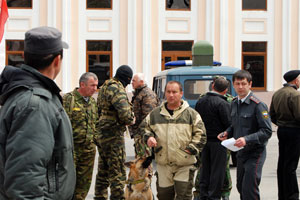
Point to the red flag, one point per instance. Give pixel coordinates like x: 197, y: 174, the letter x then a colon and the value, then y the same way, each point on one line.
x: 3, y: 17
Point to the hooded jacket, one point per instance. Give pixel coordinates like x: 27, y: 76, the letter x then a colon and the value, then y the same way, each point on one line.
x: 36, y: 144
x: 184, y: 130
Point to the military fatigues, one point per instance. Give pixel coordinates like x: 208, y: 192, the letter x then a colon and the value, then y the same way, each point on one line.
x: 83, y: 116
x: 144, y: 100
x: 250, y: 119
x: 115, y: 113
x: 285, y: 113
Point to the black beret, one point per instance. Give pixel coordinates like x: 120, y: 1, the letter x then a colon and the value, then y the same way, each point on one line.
x: 291, y: 75
x: 43, y: 40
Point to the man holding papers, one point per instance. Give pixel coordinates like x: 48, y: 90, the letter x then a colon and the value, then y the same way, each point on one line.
x: 251, y: 127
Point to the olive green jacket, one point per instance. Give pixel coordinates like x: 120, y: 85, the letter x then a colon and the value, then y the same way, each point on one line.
x: 285, y: 107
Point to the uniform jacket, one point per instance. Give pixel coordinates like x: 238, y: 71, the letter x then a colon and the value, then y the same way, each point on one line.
x: 144, y: 100
x: 285, y: 107
x: 174, y: 134
x: 83, y: 116
x: 36, y: 144
x: 215, y: 112
x: 250, y: 120
x: 115, y: 110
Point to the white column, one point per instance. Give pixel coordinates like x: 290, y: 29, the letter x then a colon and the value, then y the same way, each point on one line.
x: 224, y: 32
x: 66, y: 36
x: 298, y: 37
x: 147, y: 39
x: 52, y: 13
x: 238, y: 34
x: 210, y: 19
x: 286, y: 39
x: 132, y: 35
x: 2, y: 53
x: 270, y: 47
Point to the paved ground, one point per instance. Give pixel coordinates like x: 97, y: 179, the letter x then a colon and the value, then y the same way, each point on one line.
x: 268, y: 186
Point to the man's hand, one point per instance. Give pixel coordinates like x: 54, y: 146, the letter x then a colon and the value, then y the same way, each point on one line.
x: 222, y: 136
x: 241, y: 142
x: 151, y: 142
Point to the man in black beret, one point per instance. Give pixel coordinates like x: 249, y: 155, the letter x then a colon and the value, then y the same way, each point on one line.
x: 36, y: 148
x: 285, y: 113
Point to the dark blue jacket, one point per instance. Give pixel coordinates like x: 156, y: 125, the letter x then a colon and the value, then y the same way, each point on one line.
x: 250, y: 120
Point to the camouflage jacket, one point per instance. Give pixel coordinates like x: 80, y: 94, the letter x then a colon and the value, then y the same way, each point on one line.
x: 83, y: 116
x: 114, y: 108
x: 144, y: 100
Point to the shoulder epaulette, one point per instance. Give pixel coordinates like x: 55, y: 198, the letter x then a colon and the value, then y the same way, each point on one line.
x: 256, y: 100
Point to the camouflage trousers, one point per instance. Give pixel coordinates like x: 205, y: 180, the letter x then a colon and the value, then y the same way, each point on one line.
x: 227, y: 186
x: 84, y: 161
x: 111, y: 168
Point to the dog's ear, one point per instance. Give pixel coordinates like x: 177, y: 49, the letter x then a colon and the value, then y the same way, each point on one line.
x: 128, y: 164
x: 147, y: 162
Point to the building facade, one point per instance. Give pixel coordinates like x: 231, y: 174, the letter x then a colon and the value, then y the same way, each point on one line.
x: 261, y: 36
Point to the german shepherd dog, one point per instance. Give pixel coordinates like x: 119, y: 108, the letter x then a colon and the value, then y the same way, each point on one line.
x: 138, y: 182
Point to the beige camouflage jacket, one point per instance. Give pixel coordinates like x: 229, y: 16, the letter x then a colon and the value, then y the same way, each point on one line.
x: 184, y: 130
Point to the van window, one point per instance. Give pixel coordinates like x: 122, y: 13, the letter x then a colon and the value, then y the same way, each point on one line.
x: 159, y: 84
x: 194, y: 88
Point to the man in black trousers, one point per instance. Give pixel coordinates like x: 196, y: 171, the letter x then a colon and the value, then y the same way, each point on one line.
x: 251, y: 128
x: 285, y: 113
x: 215, y: 112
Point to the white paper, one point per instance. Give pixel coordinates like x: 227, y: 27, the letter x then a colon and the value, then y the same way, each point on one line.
x: 229, y: 144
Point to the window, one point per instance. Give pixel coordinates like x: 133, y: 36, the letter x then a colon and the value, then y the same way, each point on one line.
x: 99, y: 4
x: 194, y: 88
x: 254, y: 5
x: 14, y: 52
x: 159, y: 85
x: 254, y: 60
x: 176, y: 50
x: 99, y: 59
x: 19, y: 3
x: 178, y: 5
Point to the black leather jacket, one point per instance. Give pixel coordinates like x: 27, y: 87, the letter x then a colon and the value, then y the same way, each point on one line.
x: 215, y: 113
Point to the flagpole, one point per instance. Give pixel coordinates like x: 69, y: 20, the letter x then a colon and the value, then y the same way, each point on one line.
x: 3, y: 18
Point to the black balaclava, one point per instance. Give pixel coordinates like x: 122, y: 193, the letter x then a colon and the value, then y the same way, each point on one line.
x: 124, y: 74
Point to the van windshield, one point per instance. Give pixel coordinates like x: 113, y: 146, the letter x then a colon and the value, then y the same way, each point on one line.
x: 194, y: 88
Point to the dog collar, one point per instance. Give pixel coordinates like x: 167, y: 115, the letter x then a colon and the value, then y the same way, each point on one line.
x: 135, y: 182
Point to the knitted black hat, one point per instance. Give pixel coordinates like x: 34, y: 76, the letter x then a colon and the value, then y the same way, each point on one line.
x: 124, y: 74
